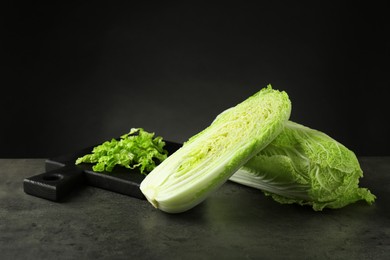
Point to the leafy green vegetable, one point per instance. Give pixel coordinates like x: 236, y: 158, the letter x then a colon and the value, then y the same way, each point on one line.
x: 137, y: 149
x: 210, y: 157
x: 305, y: 166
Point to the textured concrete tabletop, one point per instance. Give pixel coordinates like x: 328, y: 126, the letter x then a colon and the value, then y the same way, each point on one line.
x: 236, y: 222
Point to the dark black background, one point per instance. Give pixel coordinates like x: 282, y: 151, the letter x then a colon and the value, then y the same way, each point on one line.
x: 74, y: 75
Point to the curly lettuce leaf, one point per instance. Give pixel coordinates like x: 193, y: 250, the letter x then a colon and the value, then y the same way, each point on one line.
x: 136, y: 149
x: 305, y: 166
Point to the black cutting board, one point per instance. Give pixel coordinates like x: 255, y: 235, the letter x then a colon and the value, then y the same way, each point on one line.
x: 62, y: 177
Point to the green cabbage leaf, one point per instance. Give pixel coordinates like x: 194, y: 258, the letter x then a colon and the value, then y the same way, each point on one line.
x: 136, y: 149
x: 305, y: 166
x: 209, y: 158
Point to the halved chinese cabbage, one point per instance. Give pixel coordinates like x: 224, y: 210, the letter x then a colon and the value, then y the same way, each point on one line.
x: 209, y: 158
x: 305, y: 166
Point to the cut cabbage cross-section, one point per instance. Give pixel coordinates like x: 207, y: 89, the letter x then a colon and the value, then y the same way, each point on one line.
x: 209, y: 158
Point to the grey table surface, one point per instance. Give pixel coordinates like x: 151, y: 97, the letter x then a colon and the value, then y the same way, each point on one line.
x: 236, y: 222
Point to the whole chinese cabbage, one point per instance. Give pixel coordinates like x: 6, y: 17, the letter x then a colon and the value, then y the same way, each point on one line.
x: 305, y: 166
x: 209, y: 158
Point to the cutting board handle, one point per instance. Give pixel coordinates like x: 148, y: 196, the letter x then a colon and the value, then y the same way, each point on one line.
x: 55, y: 185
